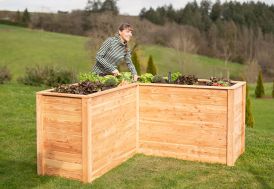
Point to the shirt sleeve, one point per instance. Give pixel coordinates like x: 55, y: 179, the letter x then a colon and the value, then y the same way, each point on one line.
x: 100, y: 56
x: 130, y: 64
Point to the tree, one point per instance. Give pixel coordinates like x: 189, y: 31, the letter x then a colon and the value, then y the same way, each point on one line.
x: 110, y: 5
x: 18, y: 18
x: 216, y: 11
x: 249, y: 120
x: 259, y: 91
x: 136, y: 62
x: 93, y: 6
x: 151, y: 68
x: 26, y: 17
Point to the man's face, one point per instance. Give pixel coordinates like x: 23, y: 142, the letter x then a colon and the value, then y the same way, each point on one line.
x: 126, y: 34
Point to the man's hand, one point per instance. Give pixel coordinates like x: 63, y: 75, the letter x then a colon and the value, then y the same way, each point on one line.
x: 135, y: 77
x: 116, y: 72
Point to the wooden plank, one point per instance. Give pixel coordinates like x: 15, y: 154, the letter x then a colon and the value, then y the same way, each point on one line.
x: 63, y: 156
x: 39, y: 134
x: 63, y: 165
x: 230, y: 115
x: 71, y: 174
x: 62, y: 143
x: 243, y: 118
x: 183, y: 151
x: 137, y: 118
x: 84, y: 141
x: 63, y: 127
x: 156, y: 113
x: 183, y: 95
x: 182, y: 135
x: 114, y: 163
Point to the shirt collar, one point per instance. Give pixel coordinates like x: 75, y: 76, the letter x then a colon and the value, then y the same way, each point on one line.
x: 117, y: 37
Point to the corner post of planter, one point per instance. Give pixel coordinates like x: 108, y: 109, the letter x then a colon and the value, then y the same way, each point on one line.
x: 137, y: 117
x: 86, y: 140
x: 230, y: 128
x: 39, y: 134
x: 243, y: 118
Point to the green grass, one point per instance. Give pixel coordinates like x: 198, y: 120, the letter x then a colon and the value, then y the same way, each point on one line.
x: 21, y: 47
x: 254, y: 169
x: 202, y: 66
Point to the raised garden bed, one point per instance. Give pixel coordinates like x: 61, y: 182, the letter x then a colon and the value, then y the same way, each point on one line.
x: 84, y: 136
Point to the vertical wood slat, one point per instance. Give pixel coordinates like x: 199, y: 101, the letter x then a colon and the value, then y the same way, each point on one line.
x: 137, y: 118
x: 243, y: 118
x: 86, y: 140
x: 39, y: 134
x: 230, y: 116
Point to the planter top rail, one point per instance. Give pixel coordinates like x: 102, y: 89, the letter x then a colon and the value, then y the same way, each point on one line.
x: 49, y: 92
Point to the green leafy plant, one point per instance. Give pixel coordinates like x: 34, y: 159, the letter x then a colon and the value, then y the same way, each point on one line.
x: 145, y: 78
x: 125, y: 76
x: 175, y: 75
x: 110, y: 81
x: 93, y: 77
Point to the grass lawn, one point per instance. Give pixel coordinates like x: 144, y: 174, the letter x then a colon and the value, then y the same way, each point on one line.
x: 21, y: 47
x: 254, y: 169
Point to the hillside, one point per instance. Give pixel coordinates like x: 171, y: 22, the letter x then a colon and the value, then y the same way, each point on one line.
x: 20, y: 47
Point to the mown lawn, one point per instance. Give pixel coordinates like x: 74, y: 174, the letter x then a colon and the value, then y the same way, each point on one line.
x: 18, y: 154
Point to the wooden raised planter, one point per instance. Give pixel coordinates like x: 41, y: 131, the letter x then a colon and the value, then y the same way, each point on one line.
x: 84, y: 136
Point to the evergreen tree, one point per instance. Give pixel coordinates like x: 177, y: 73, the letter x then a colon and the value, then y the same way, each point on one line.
x: 249, y: 120
x: 26, y: 17
x: 259, y: 91
x: 151, y: 68
x: 110, y: 5
x: 136, y: 62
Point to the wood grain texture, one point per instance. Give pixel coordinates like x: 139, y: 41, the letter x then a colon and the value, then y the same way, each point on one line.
x: 83, y: 137
x: 113, y: 129
x: 185, y: 123
x: 62, y: 136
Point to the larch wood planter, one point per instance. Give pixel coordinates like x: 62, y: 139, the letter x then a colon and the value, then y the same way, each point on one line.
x: 84, y: 136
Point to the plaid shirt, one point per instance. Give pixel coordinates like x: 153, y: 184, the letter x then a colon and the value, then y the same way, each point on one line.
x: 110, y: 55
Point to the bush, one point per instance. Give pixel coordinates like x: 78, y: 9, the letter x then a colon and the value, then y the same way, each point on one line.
x: 5, y: 75
x: 249, y: 120
x: 151, y: 68
x: 136, y: 62
x: 259, y: 91
x: 46, y: 75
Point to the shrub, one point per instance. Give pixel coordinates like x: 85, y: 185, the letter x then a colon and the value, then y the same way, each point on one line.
x: 151, y: 68
x: 5, y: 75
x: 259, y: 91
x: 249, y: 120
x: 136, y: 62
x: 46, y: 75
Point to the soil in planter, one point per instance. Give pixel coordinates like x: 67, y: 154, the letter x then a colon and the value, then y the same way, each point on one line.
x: 83, y: 88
